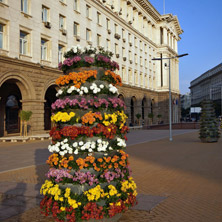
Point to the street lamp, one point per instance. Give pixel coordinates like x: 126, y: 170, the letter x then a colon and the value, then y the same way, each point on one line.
x: 170, y: 99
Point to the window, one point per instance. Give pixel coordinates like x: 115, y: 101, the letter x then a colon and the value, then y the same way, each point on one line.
x: 24, y: 6
x: 45, y: 14
x: 116, y: 28
x: 88, y: 35
x: 44, y: 49
x: 98, y: 18
x: 123, y: 33
x: 23, y: 43
x: 130, y: 55
x: 61, y: 22
x: 135, y: 42
x: 141, y: 45
x: 107, y: 23
x: 1, y: 35
x: 60, y: 53
x: 76, y: 5
x: 116, y: 49
x: 108, y: 46
x: 129, y: 37
x: 141, y: 61
x: 123, y: 52
x: 98, y: 40
x: 136, y: 60
x: 76, y: 29
x: 88, y: 11
x: 161, y: 35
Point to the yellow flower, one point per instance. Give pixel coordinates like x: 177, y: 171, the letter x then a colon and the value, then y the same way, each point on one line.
x: 62, y: 116
x: 62, y: 208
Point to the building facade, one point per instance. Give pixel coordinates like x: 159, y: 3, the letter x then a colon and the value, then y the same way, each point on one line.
x: 208, y: 86
x: 35, y: 34
x: 185, y: 101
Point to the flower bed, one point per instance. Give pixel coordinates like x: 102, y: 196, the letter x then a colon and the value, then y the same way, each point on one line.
x: 89, y: 176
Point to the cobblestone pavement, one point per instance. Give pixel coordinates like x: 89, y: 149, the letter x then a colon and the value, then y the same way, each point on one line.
x: 20, y: 155
x: 188, y: 173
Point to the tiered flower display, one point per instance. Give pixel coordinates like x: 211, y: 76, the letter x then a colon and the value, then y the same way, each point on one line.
x: 89, y: 177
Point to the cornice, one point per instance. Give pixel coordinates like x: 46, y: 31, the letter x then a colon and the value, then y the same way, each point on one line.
x: 172, y: 18
x: 145, y: 4
x: 108, y: 10
x: 207, y: 75
x: 19, y: 62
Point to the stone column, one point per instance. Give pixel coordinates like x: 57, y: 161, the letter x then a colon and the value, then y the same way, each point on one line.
x: 130, y: 13
x: 37, y: 120
x: 135, y: 17
x: 124, y: 9
x: 116, y: 4
x: 164, y: 36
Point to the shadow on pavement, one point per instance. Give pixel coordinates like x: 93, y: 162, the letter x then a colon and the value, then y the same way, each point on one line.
x: 13, y: 202
x: 185, y: 153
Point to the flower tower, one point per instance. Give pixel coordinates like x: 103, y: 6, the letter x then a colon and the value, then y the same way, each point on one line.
x: 89, y: 177
x: 209, y: 131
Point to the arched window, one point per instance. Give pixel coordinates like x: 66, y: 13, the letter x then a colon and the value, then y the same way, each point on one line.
x: 50, y: 98
x: 132, y: 109
x: 11, y: 112
x: 143, y: 108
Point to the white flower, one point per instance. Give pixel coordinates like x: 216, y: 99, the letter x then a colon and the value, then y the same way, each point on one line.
x: 81, y: 93
x: 110, y: 148
x: 60, y: 92
x: 81, y: 143
x: 99, y: 141
x: 61, y: 153
x: 90, y: 150
x: 86, y: 90
x: 69, y: 91
x: 78, y: 90
x: 76, y: 152
x: 75, y: 144
x: 101, y: 86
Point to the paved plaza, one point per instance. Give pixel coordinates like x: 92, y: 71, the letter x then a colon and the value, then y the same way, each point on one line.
x: 184, y: 177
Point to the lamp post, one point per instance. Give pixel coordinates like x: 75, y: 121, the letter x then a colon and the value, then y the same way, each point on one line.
x: 170, y: 99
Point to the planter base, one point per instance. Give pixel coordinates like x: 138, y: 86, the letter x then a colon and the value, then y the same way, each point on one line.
x: 112, y: 219
x: 209, y: 140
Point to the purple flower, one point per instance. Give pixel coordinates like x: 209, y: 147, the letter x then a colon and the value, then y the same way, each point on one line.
x: 89, y: 59
x: 58, y: 174
x: 85, y: 177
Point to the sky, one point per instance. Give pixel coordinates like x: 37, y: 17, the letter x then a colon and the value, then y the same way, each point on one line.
x: 201, y: 21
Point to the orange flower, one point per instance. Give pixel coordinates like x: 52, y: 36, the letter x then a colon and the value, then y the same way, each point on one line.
x: 90, y: 117
x: 77, y: 78
x: 71, y: 158
x: 116, y: 78
x: 100, y: 160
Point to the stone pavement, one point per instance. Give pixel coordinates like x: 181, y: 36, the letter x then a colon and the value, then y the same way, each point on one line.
x: 185, y: 172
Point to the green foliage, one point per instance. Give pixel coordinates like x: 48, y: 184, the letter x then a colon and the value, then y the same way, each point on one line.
x: 159, y: 116
x: 25, y: 115
x: 150, y: 115
x: 209, y: 131
x: 138, y: 115
x: 104, y: 52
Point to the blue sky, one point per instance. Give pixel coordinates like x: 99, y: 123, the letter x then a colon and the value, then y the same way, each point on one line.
x: 201, y: 21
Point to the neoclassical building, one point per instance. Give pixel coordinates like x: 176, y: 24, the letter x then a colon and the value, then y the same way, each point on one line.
x: 208, y: 86
x: 34, y: 34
